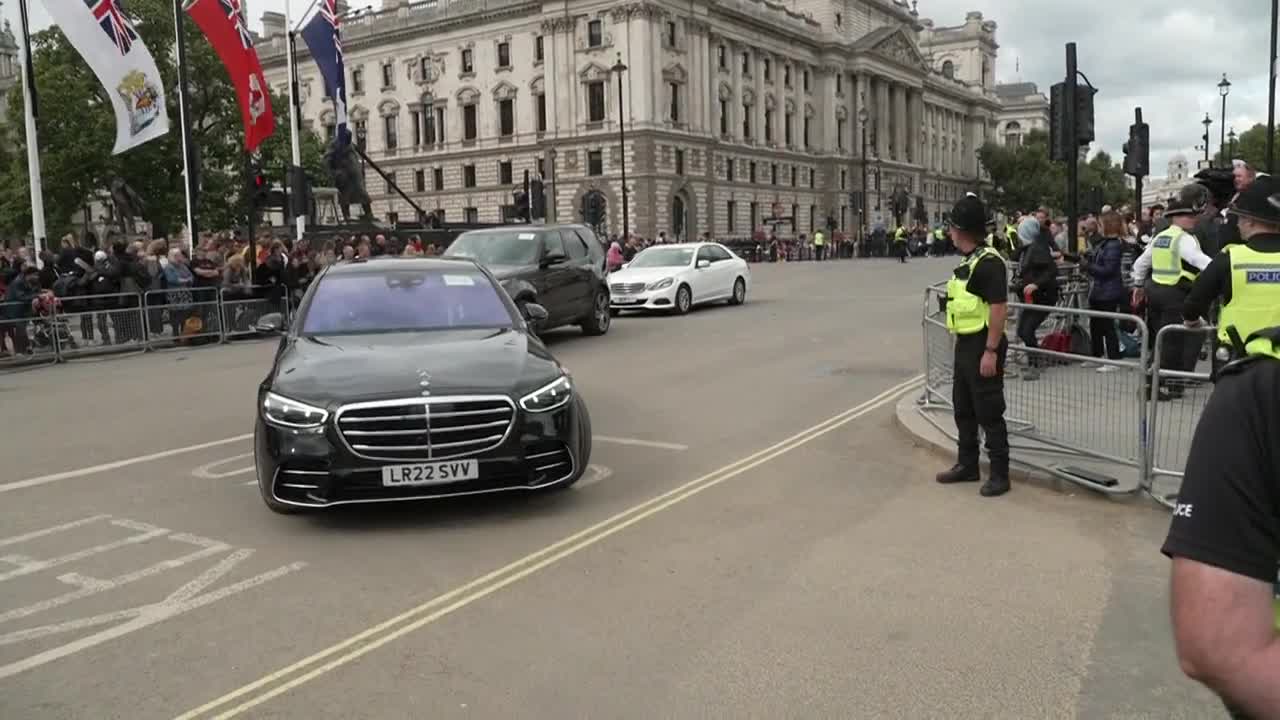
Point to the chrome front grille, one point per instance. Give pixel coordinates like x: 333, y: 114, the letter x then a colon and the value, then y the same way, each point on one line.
x: 626, y: 288
x: 433, y: 428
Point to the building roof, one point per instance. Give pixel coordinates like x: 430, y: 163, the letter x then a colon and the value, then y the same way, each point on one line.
x: 1016, y: 90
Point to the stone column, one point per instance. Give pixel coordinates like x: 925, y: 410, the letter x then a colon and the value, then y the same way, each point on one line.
x: 901, y: 128
x: 915, y: 128
x: 883, y: 126
x: 780, y: 105
x: 856, y: 86
x: 735, y: 104
x: 826, y: 109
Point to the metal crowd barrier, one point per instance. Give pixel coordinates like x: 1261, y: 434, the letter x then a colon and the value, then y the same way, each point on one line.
x: 1182, y: 384
x: 1056, y: 406
x: 93, y: 325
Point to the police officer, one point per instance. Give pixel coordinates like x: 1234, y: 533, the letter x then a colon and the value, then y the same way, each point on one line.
x: 1224, y: 539
x: 900, y: 243
x: 976, y: 307
x: 1246, y: 276
x: 1165, y: 272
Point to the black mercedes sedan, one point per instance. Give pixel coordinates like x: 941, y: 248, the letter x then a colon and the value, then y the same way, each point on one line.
x: 413, y: 378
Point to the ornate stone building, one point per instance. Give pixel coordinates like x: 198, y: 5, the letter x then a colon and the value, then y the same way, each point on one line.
x: 10, y: 70
x: 733, y: 110
x: 1023, y: 108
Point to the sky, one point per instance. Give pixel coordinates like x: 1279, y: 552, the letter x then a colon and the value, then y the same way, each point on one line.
x: 1166, y: 56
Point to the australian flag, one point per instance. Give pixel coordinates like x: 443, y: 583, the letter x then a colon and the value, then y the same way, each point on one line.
x: 113, y: 23
x: 325, y: 42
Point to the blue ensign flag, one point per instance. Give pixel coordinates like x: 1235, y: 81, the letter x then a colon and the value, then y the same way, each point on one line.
x: 325, y: 42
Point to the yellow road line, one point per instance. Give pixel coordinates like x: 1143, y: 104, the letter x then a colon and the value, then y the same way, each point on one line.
x: 464, y: 595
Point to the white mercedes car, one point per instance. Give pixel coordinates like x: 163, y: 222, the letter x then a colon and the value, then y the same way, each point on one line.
x: 677, y: 277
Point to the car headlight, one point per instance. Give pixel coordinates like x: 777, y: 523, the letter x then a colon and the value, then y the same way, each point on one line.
x: 283, y: 412
x: 663, y: 283
x: 549, y: 397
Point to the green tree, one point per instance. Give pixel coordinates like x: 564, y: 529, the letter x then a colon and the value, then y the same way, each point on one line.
x: 1023, y: 176
x: 77, y: 132
x: 1250, y: 146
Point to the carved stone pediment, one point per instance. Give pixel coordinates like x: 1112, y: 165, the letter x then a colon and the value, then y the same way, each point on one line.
x: 468, y: 95
x: 675, y: 73
x: 770, y: 101
x: 593, y: 72
x: 900, y: 49
x: 538, y: 85
x: 504, y: 91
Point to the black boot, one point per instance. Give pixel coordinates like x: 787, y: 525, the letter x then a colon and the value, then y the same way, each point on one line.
x: 959, y: 474
x: 997, y: 484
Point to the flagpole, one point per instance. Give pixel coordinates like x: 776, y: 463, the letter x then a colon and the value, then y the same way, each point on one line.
x: 188, y: 177
x: 295, y: 114
x: 33, y: 143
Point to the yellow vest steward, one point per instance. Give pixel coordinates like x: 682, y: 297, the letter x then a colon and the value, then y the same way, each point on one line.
x: 1255, y: 298
x: 967, y: 313
x: 1166, y: 261
x: 819, y: 239
x: 900, y: 235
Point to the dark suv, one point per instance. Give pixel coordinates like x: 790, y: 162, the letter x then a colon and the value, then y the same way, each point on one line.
x: 560, y: 267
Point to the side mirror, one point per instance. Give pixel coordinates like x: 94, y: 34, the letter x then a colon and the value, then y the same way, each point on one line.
x: 554, y: 259
x: 703, y: 264
x: 626, y: 265
x: 534, y: 313
x: 271, y: 324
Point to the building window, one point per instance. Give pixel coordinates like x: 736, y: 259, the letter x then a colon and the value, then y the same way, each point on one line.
x: 470, y: 216
x: 793, y: 176
x: 813, y: 218
x: 730, y: 209
x: 468, y: 122
x: 362, y: 134
x: 437, y: 179
x: 542, y: 168
x: 388, y: 75
x: 507, y: 117
x: 595, y: 33
x: 415, y: 117
x: 429, y: 125
x: 541, y: 102
x: 357, y: 80
x: 844, y: 179
x: 787, y: 123
x: 724, y: 117
x: 424, y: 68
x: 537, y: 49
x: 840, y: 128
x: 805, y: 80
x: 839, y: 20
x: 746, y: 64
x: 795, y: 216
x: 768, y: 70
x: 390, y: 183
x: 755, y: 214
x: 813, y: 178
x: 467, y: 64
x: 679, y: 161
x: 671, y: 34
x: 773, y: 174
x: 419, y: 181
x: 595, y: 101
x: 469, y: 176
x: 729, y: 167
x: 839, y: 82
x: 1013, y: 134
x: 746, y: 121
x: 751, y: 171
x: 786, y: 75
x: 393, y: 218
x: 806, y: 133
x: 595, y: 163
x: 389, y: 128
x: 768, y: 126
x: 504, y: 54
x: 674, y: 90
x: 722, y: 57
x: 504, y: 172
x: 949, y: 70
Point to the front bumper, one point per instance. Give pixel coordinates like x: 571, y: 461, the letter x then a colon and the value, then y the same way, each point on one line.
x: 317, y: 469
x: 664, y: 299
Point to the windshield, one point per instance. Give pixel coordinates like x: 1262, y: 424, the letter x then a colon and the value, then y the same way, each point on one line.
x: 404, y: 300
x: 663, y: 257
x: 511, y: 247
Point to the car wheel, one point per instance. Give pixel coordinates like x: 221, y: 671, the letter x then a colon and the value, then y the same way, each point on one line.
x: 614, y: 312
x: 739, y: 292
x: 684, y: 300
x: 601, y: 317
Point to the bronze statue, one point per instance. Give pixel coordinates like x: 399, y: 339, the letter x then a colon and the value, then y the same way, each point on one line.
x: 344, y: 165
x: 128, y: 204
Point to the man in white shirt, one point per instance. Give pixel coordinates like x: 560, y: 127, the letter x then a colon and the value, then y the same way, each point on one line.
x: 1164, y: 273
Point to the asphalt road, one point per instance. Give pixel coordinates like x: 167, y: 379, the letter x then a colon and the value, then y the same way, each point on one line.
x: 756, y: 538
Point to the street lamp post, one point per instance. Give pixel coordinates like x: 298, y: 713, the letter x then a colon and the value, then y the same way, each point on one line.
x: 551, y: 185
x: 866, y: 191
x: 618, y: 68
x: 1224, y: 89
x: 1207, y: 121
x: 1231, y: 146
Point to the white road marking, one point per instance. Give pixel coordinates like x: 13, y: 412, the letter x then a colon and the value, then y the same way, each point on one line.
x: 640, y: 443
x: 189, y: 596
x: 593, y: 475
x: 365, y: 642
x: 69, y: 474
x: 206, y: 471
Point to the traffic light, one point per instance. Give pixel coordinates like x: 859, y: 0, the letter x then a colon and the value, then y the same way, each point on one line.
x: 1084, y: 114
x: 538, y: 201
x: 1058, y: 123
x: 1137, y: 152
x: 299, y: 192
x: 258, y: 188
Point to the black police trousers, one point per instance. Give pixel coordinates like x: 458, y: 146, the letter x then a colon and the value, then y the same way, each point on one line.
x: 1179, y: 350
x: 979, y: 402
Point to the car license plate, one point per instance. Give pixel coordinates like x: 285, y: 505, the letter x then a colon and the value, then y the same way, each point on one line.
x: 624, y: 300
x: 433, y: 473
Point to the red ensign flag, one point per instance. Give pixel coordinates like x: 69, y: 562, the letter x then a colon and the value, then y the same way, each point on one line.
x: 222, y: 21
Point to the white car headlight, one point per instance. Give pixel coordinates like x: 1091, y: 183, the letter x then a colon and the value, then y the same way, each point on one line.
x: 281, y: 411
x: 549, y: 397
x: 663, y: 283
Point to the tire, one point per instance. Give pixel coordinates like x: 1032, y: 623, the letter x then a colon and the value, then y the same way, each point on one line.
x: 598, y: 322
x: 739, y: 292
x: 684, y: 300
x: 614, y: 312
